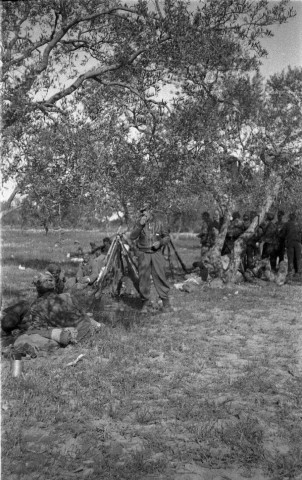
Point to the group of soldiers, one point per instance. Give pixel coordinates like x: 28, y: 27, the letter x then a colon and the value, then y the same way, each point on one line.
x: 56, y: 305
x: 271, y: 239
x: 52, y: 297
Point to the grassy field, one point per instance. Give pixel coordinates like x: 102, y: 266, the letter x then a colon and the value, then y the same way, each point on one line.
x: 211, y: 391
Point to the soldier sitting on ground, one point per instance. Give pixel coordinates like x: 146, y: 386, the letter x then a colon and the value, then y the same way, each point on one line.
x: 12, y: 317
x: 89, y: 270
x: 102, y: 247
x: 53, y: 320
x: 58, y: 275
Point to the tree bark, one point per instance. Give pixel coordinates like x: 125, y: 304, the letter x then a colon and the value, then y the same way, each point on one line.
x: 212, y: 259
x: 240, y: 243
x: 6, y: 206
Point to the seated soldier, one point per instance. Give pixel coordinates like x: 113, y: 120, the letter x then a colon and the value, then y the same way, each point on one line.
x: 103, y: 248
x: 58, y: 275
x: 89, y: 270
x: 106, y: 245
x: 55, y: 311
x: 12, y: 317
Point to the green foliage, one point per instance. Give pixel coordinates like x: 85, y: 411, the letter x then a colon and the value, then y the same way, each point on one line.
x: 105, y: 141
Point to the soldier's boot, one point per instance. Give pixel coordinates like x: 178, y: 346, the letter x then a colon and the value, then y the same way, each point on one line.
x: 166, y: 305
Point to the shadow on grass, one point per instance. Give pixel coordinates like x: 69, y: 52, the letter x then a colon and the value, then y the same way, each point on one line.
x: 124, y: 311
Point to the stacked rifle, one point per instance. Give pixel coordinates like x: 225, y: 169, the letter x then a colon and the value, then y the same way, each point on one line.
x: 120, y: 262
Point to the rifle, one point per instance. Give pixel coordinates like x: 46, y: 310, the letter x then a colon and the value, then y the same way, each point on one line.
x: 116, y: 249
x: 109, y: 260
x: 178, y: 257
x: 130, y: 263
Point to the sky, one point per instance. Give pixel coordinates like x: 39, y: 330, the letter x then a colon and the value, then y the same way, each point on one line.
x: 285, y: 48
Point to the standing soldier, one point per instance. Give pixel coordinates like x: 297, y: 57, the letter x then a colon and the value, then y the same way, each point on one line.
x: 293, y: 240
x: 280, y: 226
x: 207, y: 233
x: 150, y: 234
x: 234, y: 231
x: 270, y: 239
x: 250, y: 251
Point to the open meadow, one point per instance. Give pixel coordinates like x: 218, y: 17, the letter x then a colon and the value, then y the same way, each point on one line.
x: 212, y: 391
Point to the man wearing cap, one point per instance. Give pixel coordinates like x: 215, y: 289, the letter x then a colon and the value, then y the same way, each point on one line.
x: 151, y: 234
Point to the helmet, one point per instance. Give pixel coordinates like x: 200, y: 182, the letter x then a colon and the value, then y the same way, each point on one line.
x: 53, y: 268
x: 44, y: 282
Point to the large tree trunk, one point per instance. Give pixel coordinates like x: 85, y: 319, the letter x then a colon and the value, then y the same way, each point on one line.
x: 240, y: 243
x: 212, y: 259
x: 6, y: 206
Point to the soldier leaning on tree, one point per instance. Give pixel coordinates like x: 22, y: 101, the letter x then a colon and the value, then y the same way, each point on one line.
x: 234, y: 231
x: 270, y: 241
x: 207, y: 233
x: 280, y: 227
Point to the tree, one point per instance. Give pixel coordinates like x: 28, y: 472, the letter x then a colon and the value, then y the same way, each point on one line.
x: 124, y: 52
x: 124, y: 46
x: 244, y: 150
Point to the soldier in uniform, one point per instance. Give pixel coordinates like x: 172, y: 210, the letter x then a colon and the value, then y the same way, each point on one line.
x: 280, y: 226
x: 96, y: 249
x: 234, y: 231
x: 250, y: 250
x: 106, y: 245
x: 58, y: 275
x: 151, y: 234
x: 293, y: 240
x: 207, y: 233
x: 270, y: 239
x: 89, y: 270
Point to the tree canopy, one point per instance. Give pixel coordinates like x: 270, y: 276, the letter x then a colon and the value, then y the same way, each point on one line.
x: 82, y: 116
x: 136, y: 45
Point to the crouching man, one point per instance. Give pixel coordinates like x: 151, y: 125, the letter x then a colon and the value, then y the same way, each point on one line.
x: 151, y: 235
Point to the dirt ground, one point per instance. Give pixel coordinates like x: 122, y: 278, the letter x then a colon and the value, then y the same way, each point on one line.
x: 211, y: 391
